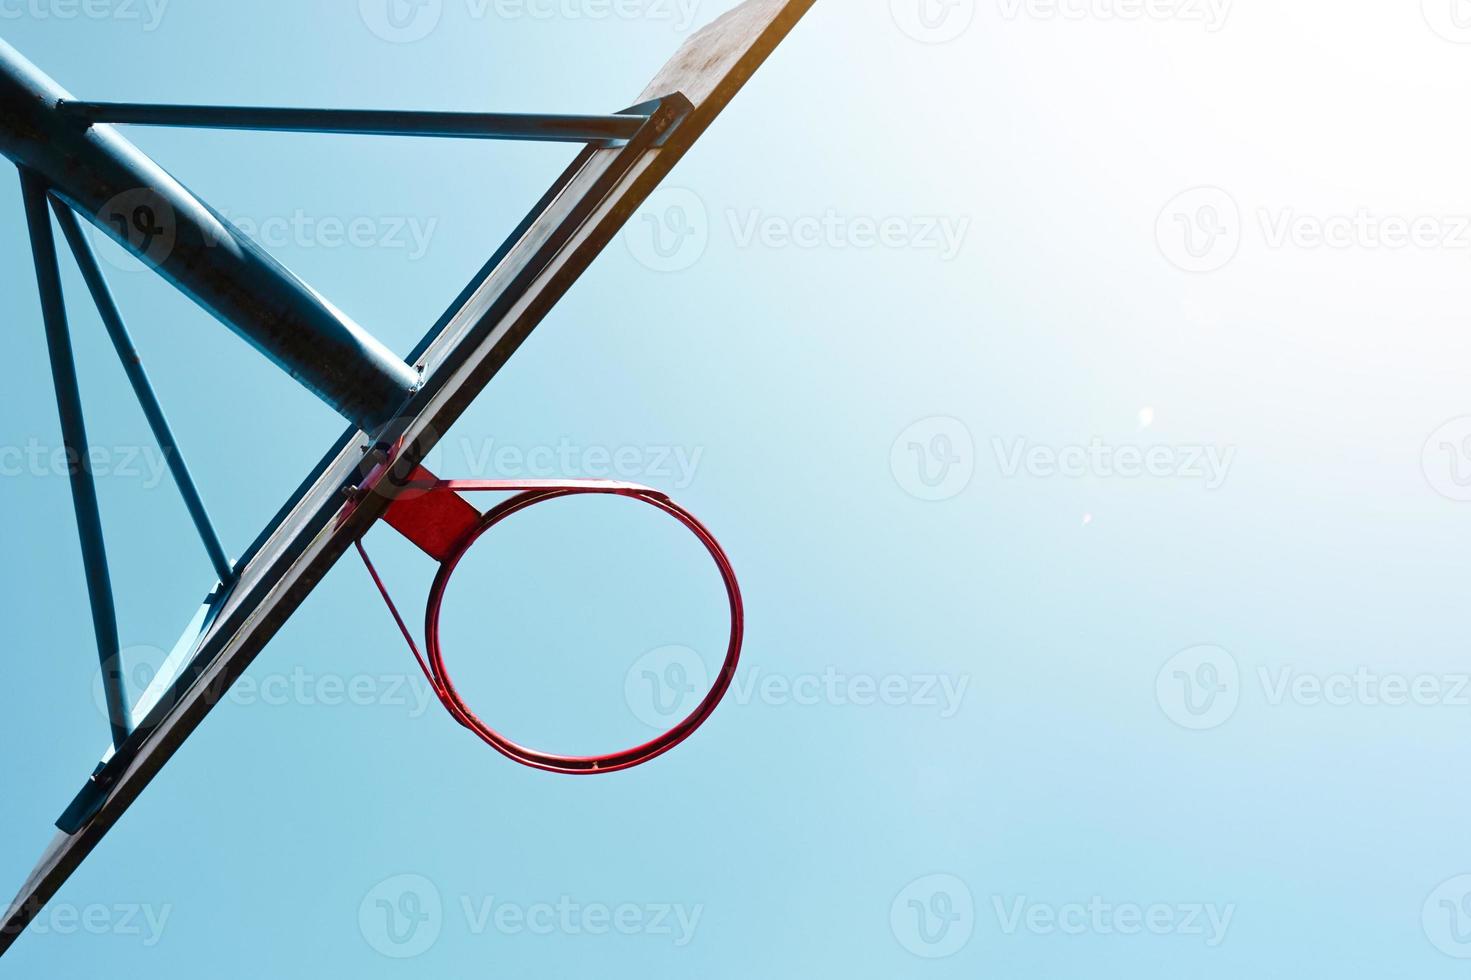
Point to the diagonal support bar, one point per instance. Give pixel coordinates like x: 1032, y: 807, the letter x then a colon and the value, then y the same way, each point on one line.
x: 78, y: 455
x: 111, y: 183
x: 530, y: 127
x: 117, y: 331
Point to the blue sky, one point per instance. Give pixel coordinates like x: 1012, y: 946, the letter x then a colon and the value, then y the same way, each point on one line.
x: 1078, y: 388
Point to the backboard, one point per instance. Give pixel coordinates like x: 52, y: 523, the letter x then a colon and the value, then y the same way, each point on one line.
x: 458, y: 358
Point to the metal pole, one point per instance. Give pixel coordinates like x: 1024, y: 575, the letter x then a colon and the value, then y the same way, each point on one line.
x: 366, y: 122
x: 138, y: 378
x: 116, y: 187
x: 78, y: 455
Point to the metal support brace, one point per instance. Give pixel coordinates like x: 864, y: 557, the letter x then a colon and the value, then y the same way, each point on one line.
x: 78, y: 455
x: 111, y: 183
x: 138, y: 378
x: 366, y: 122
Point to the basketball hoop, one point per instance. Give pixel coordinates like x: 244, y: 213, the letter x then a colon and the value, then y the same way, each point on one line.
x: 431, y: 513
x: 76, y: 167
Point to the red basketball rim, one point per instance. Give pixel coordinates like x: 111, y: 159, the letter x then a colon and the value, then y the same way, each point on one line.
x: 571, y: 764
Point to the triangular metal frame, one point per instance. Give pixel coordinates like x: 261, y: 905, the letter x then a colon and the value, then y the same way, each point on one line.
x: 621, y: 163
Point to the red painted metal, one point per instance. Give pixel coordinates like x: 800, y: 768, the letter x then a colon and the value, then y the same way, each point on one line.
x: 432, y: 514
x: 431, y: 517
